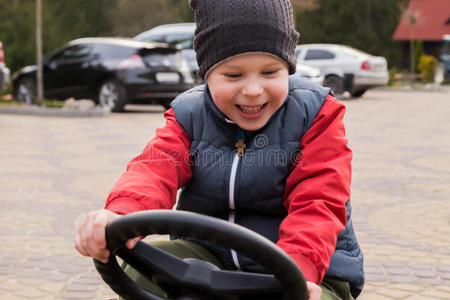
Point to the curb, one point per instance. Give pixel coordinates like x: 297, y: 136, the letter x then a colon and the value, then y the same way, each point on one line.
x: 54, y: 112
x: 427, y: 89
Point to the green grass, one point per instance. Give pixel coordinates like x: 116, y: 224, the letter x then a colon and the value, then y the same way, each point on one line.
x: 46, y: 102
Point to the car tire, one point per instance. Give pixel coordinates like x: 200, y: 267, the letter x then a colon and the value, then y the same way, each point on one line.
x: 335, y: 83
x: 358, y: 93
x: 25, y: 90
x: 112, y: 95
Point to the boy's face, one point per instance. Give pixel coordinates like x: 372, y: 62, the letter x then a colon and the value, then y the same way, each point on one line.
x: 249, y: 88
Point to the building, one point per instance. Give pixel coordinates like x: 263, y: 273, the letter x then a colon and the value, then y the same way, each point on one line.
x: 426, y: 20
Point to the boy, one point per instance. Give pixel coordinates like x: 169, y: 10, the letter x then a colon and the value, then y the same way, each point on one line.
x: 254, y: 146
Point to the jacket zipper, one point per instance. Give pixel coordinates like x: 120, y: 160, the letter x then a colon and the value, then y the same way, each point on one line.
x: 240, y: 145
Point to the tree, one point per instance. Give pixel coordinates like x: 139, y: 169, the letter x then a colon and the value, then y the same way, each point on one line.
x: 364, y: 24
x: 132, y: 17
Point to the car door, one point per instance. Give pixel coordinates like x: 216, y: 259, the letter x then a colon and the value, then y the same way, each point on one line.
x: 68, y: 72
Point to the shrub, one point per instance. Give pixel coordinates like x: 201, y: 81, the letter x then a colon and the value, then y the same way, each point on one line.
x: 427, y: 67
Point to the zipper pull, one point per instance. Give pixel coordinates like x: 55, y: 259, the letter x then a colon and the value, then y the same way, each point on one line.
x: 240, y: 145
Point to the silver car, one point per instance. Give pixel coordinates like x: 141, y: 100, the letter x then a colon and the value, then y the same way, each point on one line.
x: 345, y: 68
x: 4, y: 71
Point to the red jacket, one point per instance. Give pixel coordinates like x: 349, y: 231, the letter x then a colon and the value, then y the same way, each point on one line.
x: 317, y: 188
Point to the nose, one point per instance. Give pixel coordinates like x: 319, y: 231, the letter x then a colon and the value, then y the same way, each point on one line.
x: 253, y: 89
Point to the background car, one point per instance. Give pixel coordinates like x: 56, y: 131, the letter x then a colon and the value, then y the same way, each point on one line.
x: 179, y: 34
x: 345, y: 68
x: 309, y: 73
x: 182, y: 35
x: 111, y: 71
x: 4, y: 71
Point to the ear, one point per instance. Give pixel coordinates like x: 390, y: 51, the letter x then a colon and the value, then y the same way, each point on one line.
x: 193, y: 4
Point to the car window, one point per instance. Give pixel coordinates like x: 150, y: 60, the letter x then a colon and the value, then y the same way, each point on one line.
x: 182, y: 39
x: 113, y: 52
x: 150, y: 37
x: 318, y: 54
x: 298, y: 52
x: 162, y: 58
x: 71, y: 53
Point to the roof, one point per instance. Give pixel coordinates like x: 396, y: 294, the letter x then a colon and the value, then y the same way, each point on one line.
x: 120, y: 41
x: 432, y: 20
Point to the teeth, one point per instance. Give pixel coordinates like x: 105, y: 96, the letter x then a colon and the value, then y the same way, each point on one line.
x: 251, y: 109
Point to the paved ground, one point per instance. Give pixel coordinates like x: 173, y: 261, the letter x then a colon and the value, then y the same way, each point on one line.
x: 53, y: 169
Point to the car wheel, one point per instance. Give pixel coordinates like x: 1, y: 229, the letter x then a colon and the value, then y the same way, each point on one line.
x: 111, y: 94
x: 25, y: 91
x: 335, y: 83
x: 358, y: 93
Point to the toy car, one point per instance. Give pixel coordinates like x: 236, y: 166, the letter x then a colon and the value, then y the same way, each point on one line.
x: 192, y: 278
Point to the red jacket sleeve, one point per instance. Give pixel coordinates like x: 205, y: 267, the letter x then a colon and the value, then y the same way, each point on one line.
x: 316, y: 192
x: 152, y: 179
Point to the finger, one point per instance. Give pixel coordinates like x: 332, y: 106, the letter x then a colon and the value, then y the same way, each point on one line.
x: 78, y: 246
x: 314, y: 291
x: 132, y: 242
x: 98, y: 231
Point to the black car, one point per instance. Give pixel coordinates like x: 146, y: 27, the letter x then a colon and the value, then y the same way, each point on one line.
x: 179, y: 34
x: 111, y: 71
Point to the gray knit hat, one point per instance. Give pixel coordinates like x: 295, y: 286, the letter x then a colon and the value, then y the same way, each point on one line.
x: 226, y: 28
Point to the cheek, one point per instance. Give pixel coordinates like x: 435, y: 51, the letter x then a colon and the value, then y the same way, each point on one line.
x: 279, y: 91
x: 222, y: 97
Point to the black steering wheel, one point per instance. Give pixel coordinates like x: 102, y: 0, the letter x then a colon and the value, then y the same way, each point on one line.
x: 198, y: 277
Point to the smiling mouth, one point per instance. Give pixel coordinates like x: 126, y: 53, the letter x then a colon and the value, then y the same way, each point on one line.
x: 253, y: 109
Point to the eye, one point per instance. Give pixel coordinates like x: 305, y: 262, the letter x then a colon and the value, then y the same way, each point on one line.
x: 232, y: 75
x: 270, y: 72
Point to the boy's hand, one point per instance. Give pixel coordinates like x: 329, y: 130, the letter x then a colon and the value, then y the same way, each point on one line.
x: 90, y: 238
x: 314, y: 291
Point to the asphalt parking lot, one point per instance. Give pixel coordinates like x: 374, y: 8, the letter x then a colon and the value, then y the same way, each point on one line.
x: 53, y: 170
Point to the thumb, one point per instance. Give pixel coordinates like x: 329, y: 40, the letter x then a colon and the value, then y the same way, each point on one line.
x: 132, y: 242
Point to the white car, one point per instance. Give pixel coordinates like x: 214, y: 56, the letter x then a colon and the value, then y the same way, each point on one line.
x: 309, y: 73
x: 345, y: 68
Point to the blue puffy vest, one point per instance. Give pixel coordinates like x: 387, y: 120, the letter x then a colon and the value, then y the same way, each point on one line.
x: 249, y: 190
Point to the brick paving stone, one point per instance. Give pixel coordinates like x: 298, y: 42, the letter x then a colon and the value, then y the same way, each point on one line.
x: 374, y: 297
x: 31, y: 281
x: 398, y: 271
x: 445, y: 276
x: 401, y: 279
x: 396, y: 294
x: 29, y: 293
x: 407, y: 287
x: 11, y: 286
x: 82, y: 288
x: 34, y: 274
x: 435, y: 294
x: 444, y: 269
x: 443, y: 288
x: 72, y: 269
x: 77, y: 295
x: 88, y: 281
x: 394, y: 264
x: 431, y: 281
x: 421, y: 266
x: 376, y: 278
x: 425, y: 274
x: 373, y: 270
x: 419, y: 297
x: 58, y: 277
x: 53, y: 287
